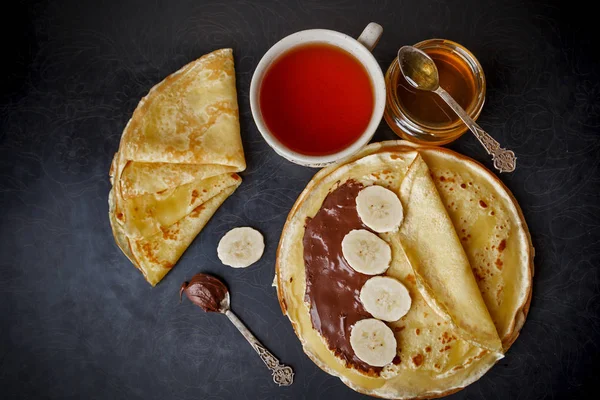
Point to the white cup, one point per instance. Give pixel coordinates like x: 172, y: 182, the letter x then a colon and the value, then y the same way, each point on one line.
x: 361, y: 49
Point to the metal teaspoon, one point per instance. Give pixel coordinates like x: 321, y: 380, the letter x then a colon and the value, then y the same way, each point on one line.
x: 283, y: 375
x: 420, y: 71
x: 210, y: 293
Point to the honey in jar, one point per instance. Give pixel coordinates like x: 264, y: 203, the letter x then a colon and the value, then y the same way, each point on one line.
x: 422, y: 116
x: 427, y: 107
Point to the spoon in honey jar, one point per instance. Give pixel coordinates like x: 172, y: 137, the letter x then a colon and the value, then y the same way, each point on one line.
x: 420, y: 71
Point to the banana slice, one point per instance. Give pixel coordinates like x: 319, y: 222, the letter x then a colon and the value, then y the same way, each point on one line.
x: 373, y: 342
x: 241, y: 247
x: 366, y: 252
x: 379, y: 208
x: 385, y: 298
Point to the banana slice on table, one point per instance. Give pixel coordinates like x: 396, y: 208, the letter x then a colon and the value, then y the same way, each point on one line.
x: 373, y: 342
x: 366, y: 252
x: 379, y: 208
x: 385, y: 298
x: 241, y: 247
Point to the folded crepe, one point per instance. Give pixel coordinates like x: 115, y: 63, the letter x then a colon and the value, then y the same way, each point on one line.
x: 466, y: 311
x: 191, y: 117
x: 155, y: 255
x: 441, y: 267
x: 148, y: 214
x: 176, y: 164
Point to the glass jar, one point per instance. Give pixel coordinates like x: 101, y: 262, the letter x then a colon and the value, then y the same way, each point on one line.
x: 409, y: 128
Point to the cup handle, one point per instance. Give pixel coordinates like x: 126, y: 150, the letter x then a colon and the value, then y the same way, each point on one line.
x: 370, y: 35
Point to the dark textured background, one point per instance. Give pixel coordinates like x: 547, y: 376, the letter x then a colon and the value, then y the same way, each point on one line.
x: 78, y: 321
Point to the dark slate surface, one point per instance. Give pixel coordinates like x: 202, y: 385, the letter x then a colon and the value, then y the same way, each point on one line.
x: 78, y: 321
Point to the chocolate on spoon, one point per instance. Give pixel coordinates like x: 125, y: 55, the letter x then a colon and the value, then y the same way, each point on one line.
x: 211, y: 294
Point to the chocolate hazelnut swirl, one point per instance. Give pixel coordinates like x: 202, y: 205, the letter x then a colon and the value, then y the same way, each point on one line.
x: 205, y: 291
x: 332, y: 286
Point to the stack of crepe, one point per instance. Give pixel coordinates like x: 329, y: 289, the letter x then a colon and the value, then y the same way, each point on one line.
x: 463, y: 251
x: 176, y: 163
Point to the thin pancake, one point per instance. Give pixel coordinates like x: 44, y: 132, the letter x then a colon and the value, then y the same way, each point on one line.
x: 146, y: 215
x: 157, y: 255
x: 427, y: 341
x: 441, y: 267
x: 493, y: 233
x: 179, y: 151
x: 463, y: 365
x: 191, y: 117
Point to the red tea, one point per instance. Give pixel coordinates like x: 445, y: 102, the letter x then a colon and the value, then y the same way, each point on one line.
x: 316, y: 99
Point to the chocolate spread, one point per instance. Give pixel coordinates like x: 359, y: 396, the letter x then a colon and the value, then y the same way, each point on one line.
x: 205, y: 291
x: 332, y: 286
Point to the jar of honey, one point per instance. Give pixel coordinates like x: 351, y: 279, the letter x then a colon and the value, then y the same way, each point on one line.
x: 424, y: 117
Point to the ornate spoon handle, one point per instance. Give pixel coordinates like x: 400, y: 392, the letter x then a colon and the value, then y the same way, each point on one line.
x: 283, y: 375
x: 504, y: 160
